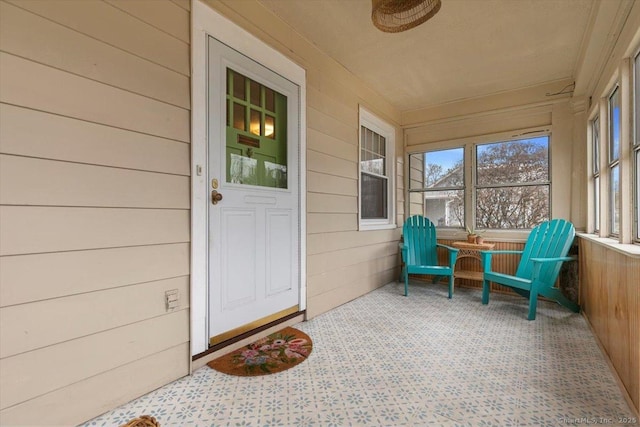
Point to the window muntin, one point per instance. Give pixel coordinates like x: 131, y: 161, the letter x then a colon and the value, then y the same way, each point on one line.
x: 256, y: 137
x: 614, y: 162
x: 438, y: 177
x: 374, y: 181
x: 636, y: 146
x: 376, y: 172
x: 513, y: 187
x: 595, y: 170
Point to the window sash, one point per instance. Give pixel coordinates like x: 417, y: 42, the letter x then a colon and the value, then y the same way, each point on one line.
x: 376, y: 172
x: 485, y: 182
x: 595, y: 135
x: 636, y: 146
x: 614, y: 126
x: 535, y: 179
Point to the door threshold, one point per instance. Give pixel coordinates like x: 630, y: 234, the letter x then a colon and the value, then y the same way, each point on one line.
x: 245, y: 338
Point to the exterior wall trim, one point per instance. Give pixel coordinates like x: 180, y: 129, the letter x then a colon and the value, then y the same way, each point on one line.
x: 205, y: 21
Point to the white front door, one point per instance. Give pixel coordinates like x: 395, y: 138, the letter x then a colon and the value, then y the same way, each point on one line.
x: 254, y: 214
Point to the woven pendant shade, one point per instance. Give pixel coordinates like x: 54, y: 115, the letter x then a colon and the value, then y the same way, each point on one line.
x: 394, y: 16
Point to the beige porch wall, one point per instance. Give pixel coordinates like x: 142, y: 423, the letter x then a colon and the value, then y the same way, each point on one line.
x: 342, y: 262
x: 94, y: 195
x: 506, y: 115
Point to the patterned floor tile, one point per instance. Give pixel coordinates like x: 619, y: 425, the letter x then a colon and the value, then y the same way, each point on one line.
x: 423, y: 360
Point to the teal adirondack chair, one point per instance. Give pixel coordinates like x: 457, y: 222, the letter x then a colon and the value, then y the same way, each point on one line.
x: 419, y: 252
x: 543, y: 254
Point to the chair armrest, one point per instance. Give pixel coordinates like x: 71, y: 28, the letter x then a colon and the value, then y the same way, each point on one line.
x: 449, y: 248
x: 502, y: 252
x: 404, y: 249
x: 485, y: 258
x: 557, y: 259
x: 453, y: 254
x: 537, y: 263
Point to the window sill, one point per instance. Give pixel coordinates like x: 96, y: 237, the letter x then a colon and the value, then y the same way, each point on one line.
x: 517, y: 236
x: 369, y: 227
x: 628, y: 249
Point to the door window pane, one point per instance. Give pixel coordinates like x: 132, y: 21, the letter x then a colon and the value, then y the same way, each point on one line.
x: 254, y: 88
x: 238, y: 116
x: 269, y: 99
x: 256, y: 154
x: 255, y: 124
x: 270, y: 126
x: 239, y: 89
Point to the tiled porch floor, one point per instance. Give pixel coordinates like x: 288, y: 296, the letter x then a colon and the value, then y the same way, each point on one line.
x: 388, y: 360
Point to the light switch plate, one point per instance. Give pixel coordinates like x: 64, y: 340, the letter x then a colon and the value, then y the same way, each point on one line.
x: 172, y: 299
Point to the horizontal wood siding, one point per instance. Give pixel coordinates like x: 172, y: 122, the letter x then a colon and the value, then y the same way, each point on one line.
x: 94, y: 204
x: 610, y: 300
x: 343, y: 263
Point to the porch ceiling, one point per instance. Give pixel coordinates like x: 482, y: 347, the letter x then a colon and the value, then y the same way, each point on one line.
x: 471, y: 48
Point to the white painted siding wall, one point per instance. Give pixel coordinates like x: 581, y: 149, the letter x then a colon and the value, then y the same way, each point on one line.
x: 94, y: 204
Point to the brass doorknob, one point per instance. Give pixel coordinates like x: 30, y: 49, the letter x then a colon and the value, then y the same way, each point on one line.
x: 215, y: 197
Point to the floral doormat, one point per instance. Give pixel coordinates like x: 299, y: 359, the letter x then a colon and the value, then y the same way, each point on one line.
x: 279, y: 351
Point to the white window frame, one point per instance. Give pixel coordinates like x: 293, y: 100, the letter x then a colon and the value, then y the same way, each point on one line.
x: 614, y: 163
x: 374, y: 123
x: 635, y: 147
x: 596, y: 173
x: 469, y: 144
x: 476, y: 187
x: 423, y: 191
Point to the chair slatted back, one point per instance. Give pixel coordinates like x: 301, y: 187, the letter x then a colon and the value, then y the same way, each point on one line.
x: 550, y: 239
x: 419, y: 234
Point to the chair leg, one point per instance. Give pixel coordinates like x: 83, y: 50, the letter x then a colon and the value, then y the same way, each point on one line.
x: 406, y: 282
x: 451, y: 286
x: 486, y: 286
x: 533, y: 302
x: 556, y: 295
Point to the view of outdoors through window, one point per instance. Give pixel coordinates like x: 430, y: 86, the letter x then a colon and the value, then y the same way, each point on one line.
x: 373, y: 174
x: 444, y: 184
x: 595, y: 132
x: 512, y: 188
x: 511, y: 191
x: 614, y: 162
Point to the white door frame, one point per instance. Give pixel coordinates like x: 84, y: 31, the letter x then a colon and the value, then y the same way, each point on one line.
x: 207, y: 22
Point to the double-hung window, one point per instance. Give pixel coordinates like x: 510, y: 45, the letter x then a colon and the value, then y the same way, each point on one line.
x: 512, y: 184
x: 436, y: 186
x: 595, y: 170
x: 510, y: 189
x: 636, y: 147
x: 377, y: 148
x: 614, y: 162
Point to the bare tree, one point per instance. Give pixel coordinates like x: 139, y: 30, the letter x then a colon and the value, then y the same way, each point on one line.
x: 513, y: 190
x: 512, y: 185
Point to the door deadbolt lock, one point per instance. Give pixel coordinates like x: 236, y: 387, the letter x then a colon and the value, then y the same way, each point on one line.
x: 215, y: 197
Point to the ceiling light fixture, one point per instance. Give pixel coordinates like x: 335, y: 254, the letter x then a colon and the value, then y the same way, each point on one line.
x: 394, y: 16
